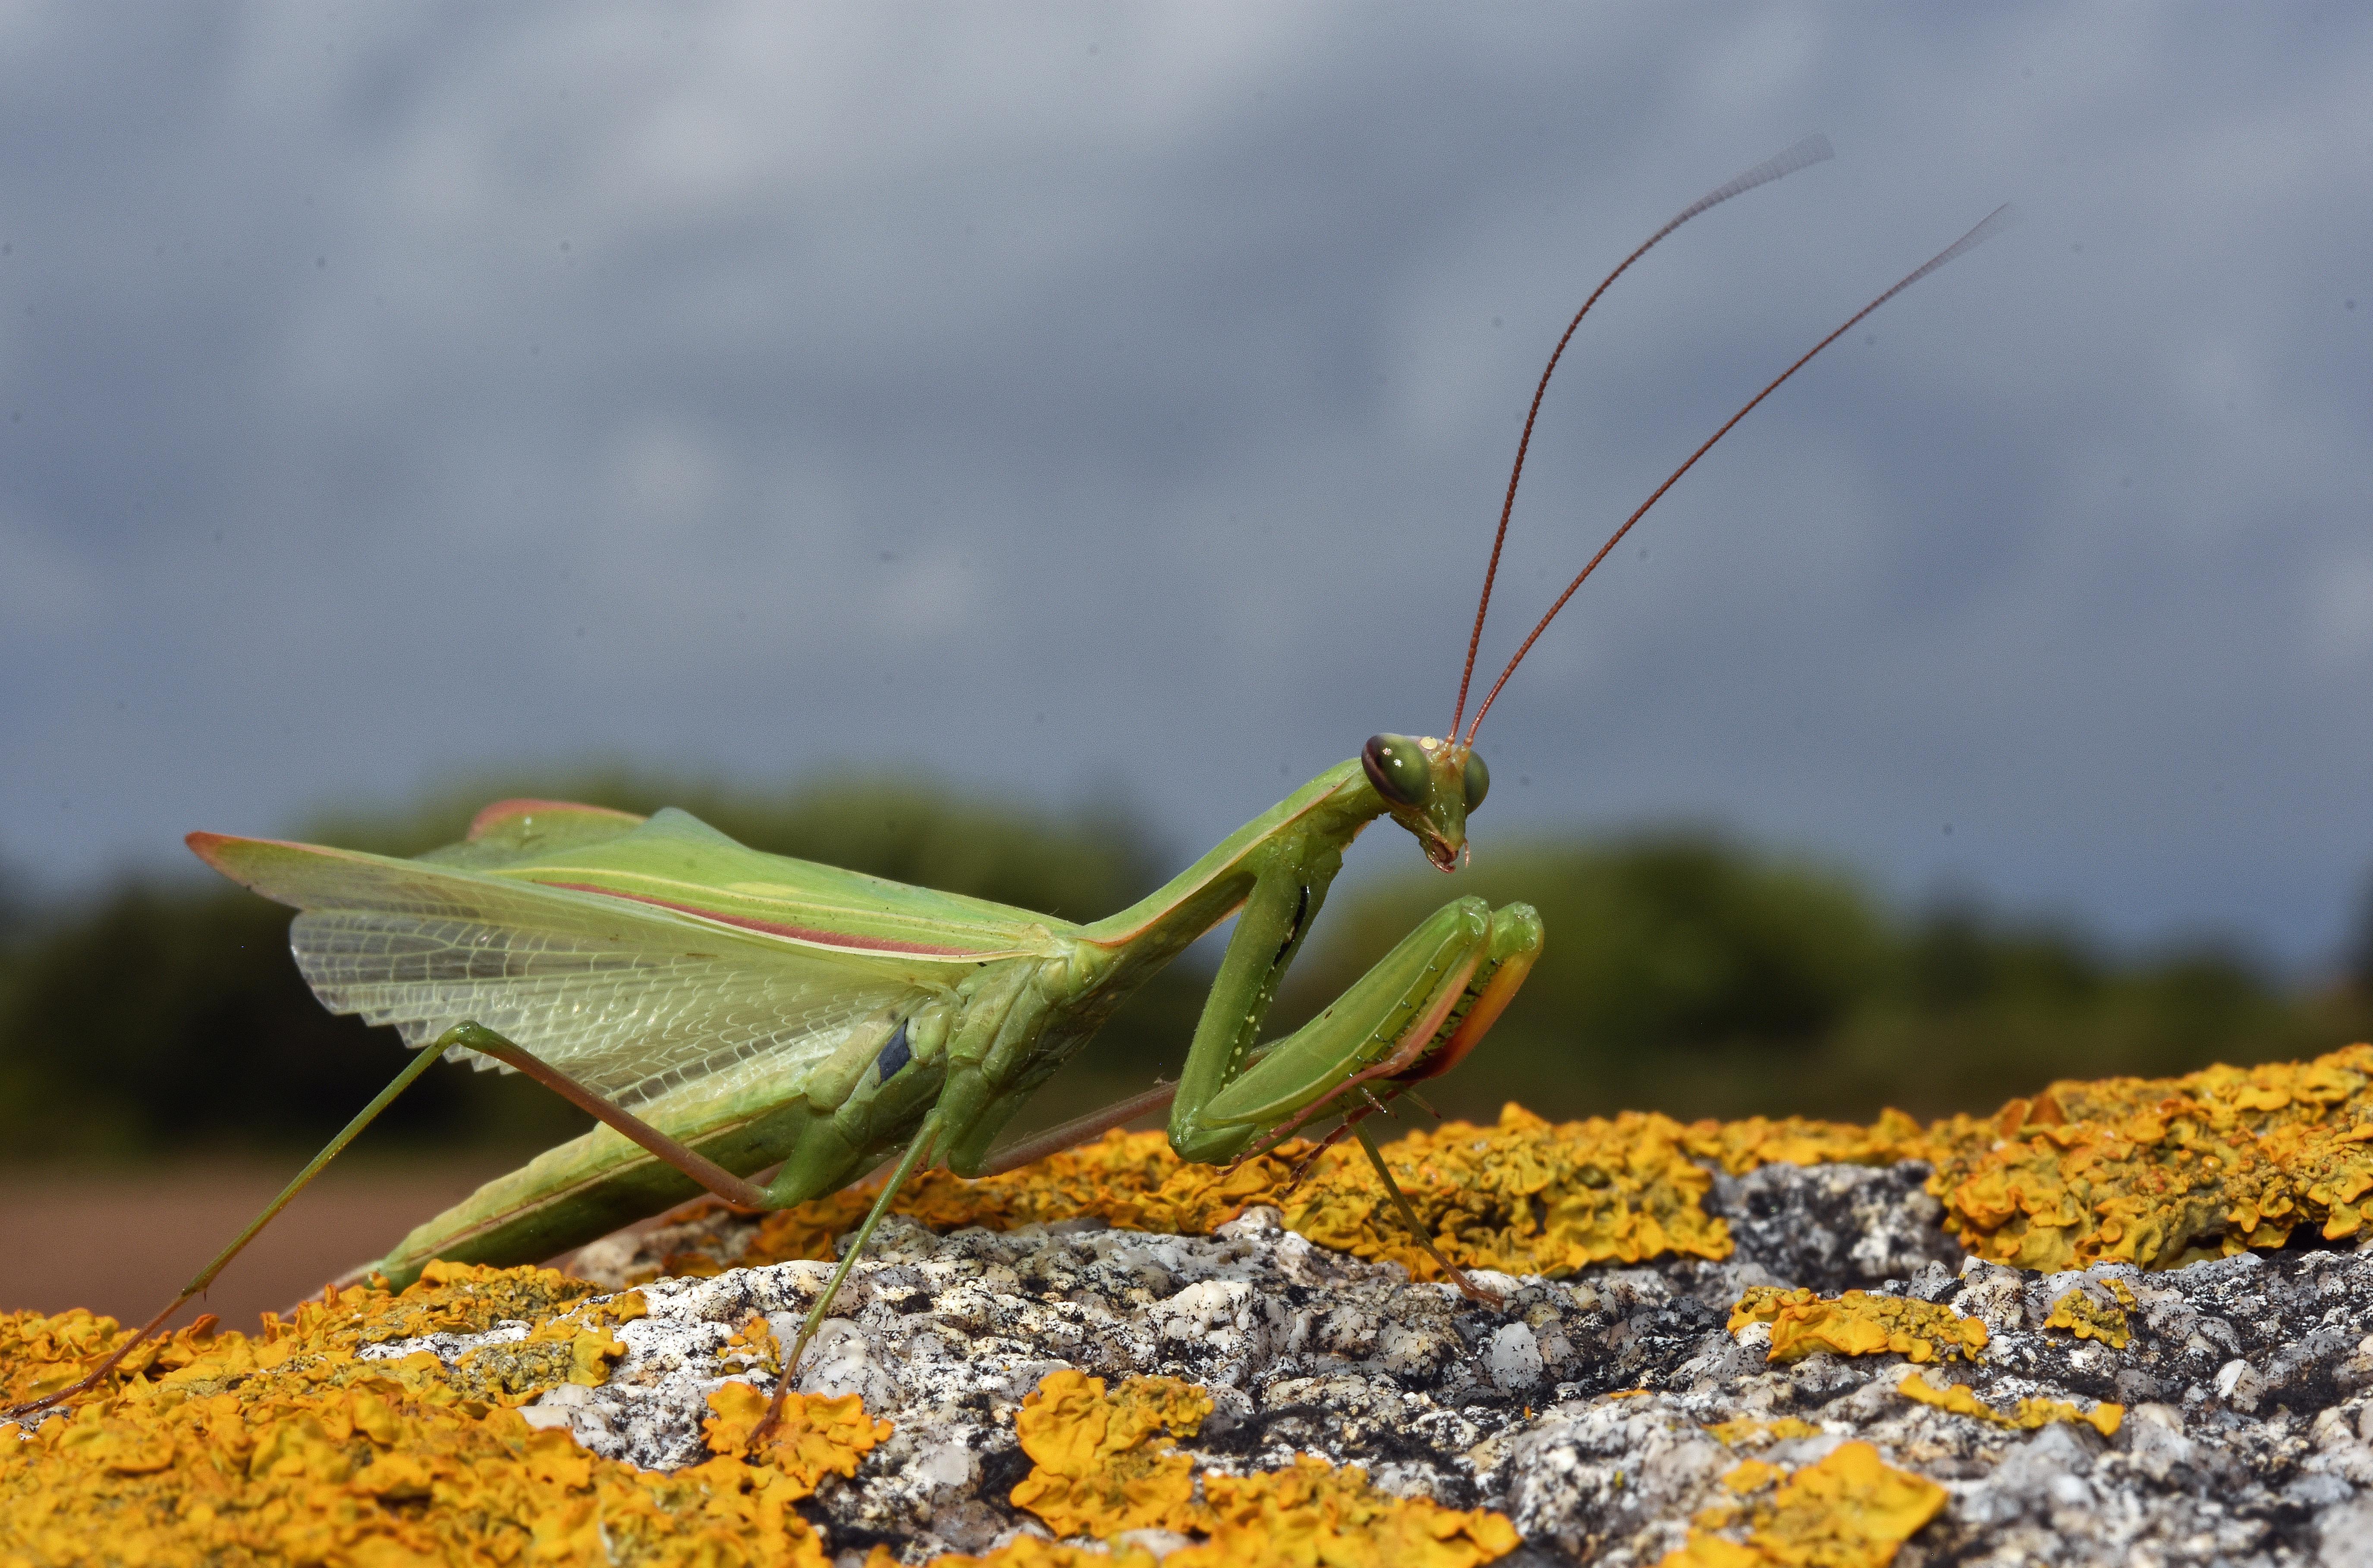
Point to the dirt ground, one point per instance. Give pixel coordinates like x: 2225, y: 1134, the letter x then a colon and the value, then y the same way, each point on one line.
x: 122, y: 1243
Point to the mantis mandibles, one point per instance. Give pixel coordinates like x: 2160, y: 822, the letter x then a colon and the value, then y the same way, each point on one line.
x: 723, y: 1010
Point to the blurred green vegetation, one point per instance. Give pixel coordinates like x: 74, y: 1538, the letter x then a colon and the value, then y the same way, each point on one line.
x: 1687, y: 973
x: 1683, y: 973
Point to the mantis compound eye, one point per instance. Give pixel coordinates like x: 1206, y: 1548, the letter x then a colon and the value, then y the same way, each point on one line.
x: 1398, y: 766
x: 1477, y: 781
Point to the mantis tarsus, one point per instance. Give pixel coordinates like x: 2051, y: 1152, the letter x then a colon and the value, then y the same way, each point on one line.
x: 752, y: 1009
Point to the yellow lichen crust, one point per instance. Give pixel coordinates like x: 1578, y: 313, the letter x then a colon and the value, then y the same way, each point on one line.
x: 286, y: 1447
x: 207, y: 1447
x: 1747, y: 1433
x: 1852, y: 1510
x: 2162, y: 1172
x: 1105, y: 1464
x: 1740, y: 1146
x: 2159, y: 1172
x: 39, y: 1355
x: 1131, y: 1180
x: 1526, y: 1196
x: 1037, y: 1552
x: 2089, y: 1318
x: 751, y: 1348
x: 1961, y: 1399
x: 1856, y: 1323
x: 1316, y: 1514
x: 814, y: 1438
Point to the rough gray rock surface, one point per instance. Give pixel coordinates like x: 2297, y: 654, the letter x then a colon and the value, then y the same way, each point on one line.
x: 2247, y: 1382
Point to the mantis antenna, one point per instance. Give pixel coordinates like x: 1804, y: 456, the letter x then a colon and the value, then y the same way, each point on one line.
x: 1811, y: 150
x: 1987, y: 227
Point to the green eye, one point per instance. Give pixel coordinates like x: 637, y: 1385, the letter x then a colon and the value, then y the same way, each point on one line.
x: 1478, y: 781
x: 1397, y: 767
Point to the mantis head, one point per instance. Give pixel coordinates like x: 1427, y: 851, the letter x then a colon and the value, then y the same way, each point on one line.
x: 1429, y: 785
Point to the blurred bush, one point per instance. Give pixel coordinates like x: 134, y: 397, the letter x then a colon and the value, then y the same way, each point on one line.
x: 1688, y: 974
x: 1683, y: 973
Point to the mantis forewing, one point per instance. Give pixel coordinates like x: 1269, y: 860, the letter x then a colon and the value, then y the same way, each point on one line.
x: 722, y: 1009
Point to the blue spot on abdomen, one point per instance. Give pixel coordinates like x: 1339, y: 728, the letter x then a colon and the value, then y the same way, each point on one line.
x: 895, y: 1056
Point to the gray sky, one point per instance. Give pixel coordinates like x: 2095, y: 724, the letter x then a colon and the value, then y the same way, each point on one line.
x: 1065, y: 400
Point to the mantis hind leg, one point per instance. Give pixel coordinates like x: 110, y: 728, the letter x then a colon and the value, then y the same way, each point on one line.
x: 700, y: 1167
x: 206, y: 1276
x: 485, y: 1041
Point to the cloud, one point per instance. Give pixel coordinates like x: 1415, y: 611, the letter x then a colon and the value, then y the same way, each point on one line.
x: 414, y: 392
x: 46, y: 592
x: 2339, y: 611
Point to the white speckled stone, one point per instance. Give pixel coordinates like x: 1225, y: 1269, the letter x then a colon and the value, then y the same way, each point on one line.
x: 2248, y: 1382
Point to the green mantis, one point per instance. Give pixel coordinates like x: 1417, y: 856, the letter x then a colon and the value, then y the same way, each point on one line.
x: 723, y: 1010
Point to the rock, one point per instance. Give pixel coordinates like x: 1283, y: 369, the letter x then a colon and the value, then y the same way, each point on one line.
x: 1601, y: 1413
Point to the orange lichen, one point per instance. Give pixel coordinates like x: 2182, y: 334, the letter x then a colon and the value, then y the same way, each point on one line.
x: 1130, y: 1179
x: 1856, y: 1323
x: 751, y: 1348
x: 1526, y: 1196
x: 288, y: 1447
x: 1316, y: 1514
x: 2158, y: 1172
x: 1037, y: 1552
x: 39, y: 1355
x: 1747, y: 1475
x: 1746, y: 1430
x: 2146, y: 1170
x: 207, y: 1446
x: 2088, y: 1317
x: 2154, y: 1171
x: 1961, y: 1399
x: 1852, y: 1510
x: 1105, y: 1464
x: 1740, y: 1146
x: 2161, y: 1172
x: 812, y: 1438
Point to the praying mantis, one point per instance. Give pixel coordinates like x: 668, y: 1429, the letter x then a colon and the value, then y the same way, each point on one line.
x: 721, y: 1010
